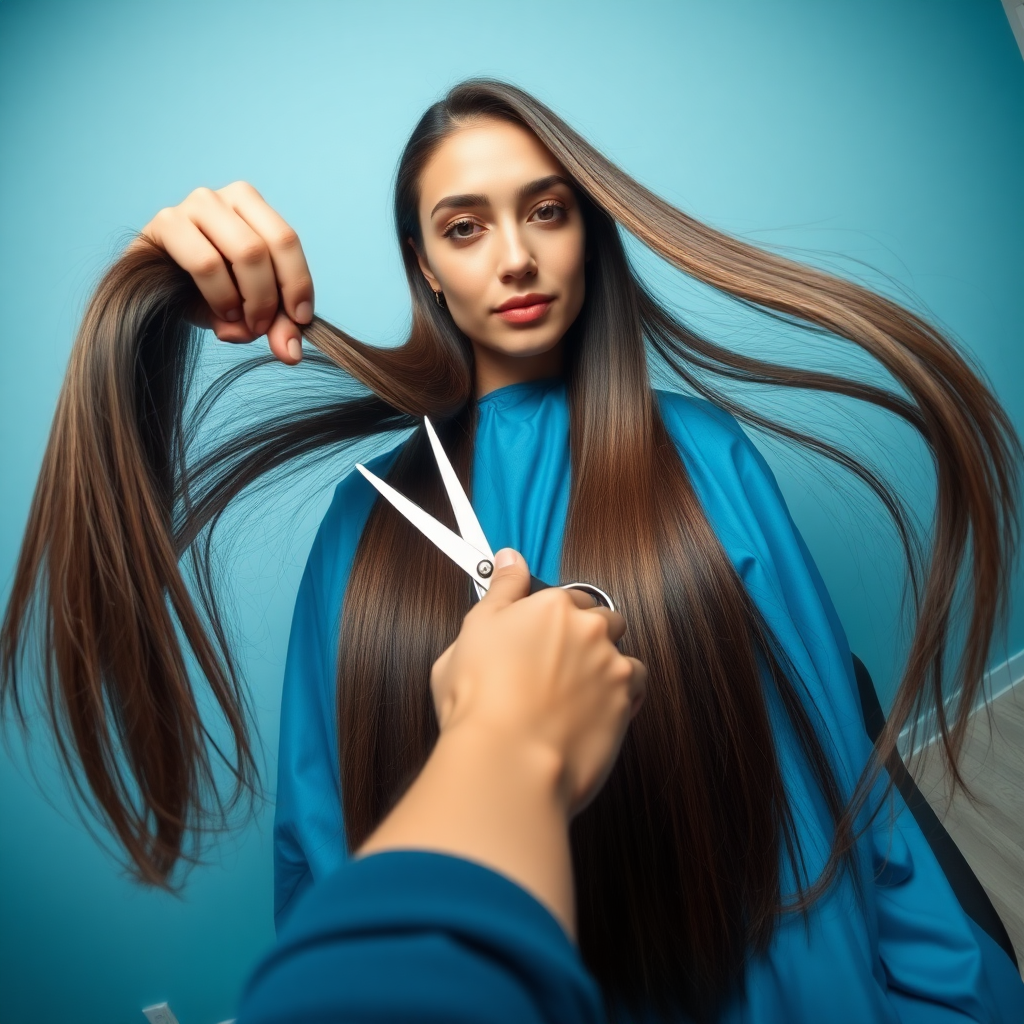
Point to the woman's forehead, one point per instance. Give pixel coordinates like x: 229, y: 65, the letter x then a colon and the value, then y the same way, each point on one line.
x: 483, y: 158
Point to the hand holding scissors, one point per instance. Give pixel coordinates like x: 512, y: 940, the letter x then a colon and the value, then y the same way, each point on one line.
x: 471, y: 551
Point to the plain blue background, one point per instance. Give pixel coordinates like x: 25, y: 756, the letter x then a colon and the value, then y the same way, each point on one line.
x: 888, y: 131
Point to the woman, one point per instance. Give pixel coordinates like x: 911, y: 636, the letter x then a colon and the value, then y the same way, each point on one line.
x: 735, y: 865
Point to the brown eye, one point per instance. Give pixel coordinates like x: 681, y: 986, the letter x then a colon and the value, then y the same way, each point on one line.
x: 462, y: 229
x: 550, y: 212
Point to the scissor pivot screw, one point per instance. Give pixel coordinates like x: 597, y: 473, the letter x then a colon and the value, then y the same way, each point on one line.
x: 485, y: 568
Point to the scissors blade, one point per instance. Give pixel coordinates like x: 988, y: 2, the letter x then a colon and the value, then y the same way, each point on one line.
x: 461, y: 552
x: 469, y: 525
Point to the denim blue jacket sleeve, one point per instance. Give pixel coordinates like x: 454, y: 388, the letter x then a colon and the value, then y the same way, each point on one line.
x: 410, y: 936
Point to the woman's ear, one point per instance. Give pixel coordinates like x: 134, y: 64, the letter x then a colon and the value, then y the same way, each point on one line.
x: 424, y: 266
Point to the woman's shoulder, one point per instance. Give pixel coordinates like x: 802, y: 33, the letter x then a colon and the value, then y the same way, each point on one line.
x: 698, y: 416
x: 737, y: 487
x: 706, y: 432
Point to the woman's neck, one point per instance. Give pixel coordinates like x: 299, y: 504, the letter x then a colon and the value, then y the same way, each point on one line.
x: 497, y: 369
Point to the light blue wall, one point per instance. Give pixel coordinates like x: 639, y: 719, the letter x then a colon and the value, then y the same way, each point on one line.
x: 891, y: 131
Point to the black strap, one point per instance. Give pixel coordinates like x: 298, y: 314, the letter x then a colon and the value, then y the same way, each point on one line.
x: 969, y: 891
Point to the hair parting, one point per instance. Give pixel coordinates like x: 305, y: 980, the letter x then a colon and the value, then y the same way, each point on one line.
x: 678, y: 859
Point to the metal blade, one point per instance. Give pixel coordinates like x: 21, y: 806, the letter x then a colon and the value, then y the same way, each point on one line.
x: 469, y: 525
x: 461, y: 552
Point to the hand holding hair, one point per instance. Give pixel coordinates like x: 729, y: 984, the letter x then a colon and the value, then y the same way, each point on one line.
x: 246, y: 261
x: 533, y: 701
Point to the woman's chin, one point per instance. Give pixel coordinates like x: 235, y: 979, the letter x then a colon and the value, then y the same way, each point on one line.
x: 521, y: 346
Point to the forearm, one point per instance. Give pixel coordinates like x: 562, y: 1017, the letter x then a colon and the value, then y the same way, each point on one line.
x: 486, y: 799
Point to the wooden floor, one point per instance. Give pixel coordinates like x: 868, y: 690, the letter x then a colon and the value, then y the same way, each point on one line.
x: 990, y: 833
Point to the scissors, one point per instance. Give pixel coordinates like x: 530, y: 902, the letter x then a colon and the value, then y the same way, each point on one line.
x: 470, y: 552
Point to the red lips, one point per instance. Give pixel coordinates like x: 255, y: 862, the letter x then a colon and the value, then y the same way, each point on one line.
x: 530, y: 299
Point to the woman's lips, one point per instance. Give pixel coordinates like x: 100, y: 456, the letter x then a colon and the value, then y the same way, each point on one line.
x: 524, y: 314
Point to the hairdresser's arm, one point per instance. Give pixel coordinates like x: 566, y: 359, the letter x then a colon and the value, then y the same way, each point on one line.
x: 442, y: 915
x: 533, y: 700
x: 246, y: 261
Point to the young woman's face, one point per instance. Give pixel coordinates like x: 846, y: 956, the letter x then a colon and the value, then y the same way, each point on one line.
x: 500, y: 222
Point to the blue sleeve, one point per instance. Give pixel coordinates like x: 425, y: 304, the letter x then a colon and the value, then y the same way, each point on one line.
x: 417, y: 936
x: 309, y: 832
x: 907, y: 952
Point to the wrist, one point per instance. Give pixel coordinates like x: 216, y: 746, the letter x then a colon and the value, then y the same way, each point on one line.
x: 488, y: 796
x: 529, y: 765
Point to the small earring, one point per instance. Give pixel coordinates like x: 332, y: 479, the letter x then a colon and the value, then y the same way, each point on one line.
x: 438, y: 296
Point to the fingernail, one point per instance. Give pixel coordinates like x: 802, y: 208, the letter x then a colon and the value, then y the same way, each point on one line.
x: 304, y: 312
x: 261, y: 327
x: 295, y: 349
x: 506, y: 556
x: 233, y: 314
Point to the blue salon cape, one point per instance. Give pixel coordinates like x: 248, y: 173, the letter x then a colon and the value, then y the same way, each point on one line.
x: 909, y: 954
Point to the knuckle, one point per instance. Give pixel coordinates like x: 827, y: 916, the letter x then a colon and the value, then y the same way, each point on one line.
x: 555, y: 602
x: 164, y: 217
x: 239, y: 187
x: 622, y: 669
x: 202, y: 194
x: 252, y: 252
x: 207, y: 265
x: 595, y: 627
x: 286, y: 239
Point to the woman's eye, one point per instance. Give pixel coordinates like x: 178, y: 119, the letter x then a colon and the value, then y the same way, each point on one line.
x: 550, y: 212
x: 460, y: 229
x: 463, y: 230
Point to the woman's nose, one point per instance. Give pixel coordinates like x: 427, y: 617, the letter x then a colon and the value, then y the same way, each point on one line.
x: 515, y: 260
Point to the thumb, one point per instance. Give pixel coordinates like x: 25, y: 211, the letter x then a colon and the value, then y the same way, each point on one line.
x: 511, y: 579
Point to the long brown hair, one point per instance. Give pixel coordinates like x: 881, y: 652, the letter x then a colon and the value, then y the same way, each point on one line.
x: 678, y: 860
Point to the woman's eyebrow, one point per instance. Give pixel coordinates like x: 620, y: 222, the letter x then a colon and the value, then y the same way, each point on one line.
x: 479, y: 199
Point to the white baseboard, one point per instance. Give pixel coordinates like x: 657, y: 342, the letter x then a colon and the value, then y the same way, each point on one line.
x: 998, y: 680
x: 1007, y: 675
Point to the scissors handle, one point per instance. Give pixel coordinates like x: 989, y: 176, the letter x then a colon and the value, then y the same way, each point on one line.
x: 588, y: 588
